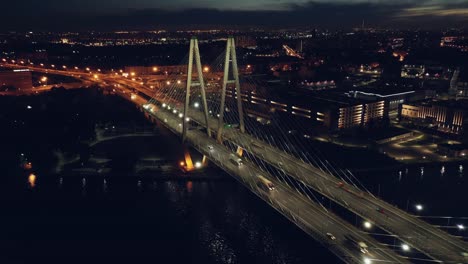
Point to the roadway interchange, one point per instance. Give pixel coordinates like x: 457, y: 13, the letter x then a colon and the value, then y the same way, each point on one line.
x: 428, y: 239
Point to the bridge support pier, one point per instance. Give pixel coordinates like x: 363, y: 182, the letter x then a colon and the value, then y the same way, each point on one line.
x: 188, y: 160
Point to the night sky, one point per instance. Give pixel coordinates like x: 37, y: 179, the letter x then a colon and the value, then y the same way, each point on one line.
x: 153, y: 14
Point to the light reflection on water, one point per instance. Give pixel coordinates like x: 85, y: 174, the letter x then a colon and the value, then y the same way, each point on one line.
x: 32, y: 180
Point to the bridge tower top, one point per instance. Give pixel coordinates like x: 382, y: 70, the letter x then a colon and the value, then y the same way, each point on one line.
x: 194, y: 53
x: 231, y: 56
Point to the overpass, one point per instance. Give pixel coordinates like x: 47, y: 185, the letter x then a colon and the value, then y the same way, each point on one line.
x: 204, y: 131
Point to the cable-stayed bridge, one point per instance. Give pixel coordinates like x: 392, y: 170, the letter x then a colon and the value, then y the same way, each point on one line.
x: 213, y: 120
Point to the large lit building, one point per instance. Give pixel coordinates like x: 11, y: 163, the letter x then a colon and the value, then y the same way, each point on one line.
x: 332, y: 111
x: 445, y: 116
x: 20, y: 79
x: 393, y: 97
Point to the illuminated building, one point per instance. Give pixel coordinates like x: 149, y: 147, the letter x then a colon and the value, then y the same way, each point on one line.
x: 332, y: 111
x: 445, y: 116
x: 393, y: 97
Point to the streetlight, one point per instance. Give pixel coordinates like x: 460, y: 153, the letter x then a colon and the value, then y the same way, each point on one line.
x: 198, y: 164
x: 405, y: 247
x: 367, y: 261
x: 419, y: 207
x: 367, y: 225
x: 196, y: 105
x: 461, y: 227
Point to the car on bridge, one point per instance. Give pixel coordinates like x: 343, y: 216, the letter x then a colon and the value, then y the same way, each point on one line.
x: 331, y: 236
x: 235, y: 160
x: 358, y: 244
x: 381, y: 210
x: 265, y: 184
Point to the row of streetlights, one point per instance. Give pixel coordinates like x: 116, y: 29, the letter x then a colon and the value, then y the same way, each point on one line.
x: 405, y: 247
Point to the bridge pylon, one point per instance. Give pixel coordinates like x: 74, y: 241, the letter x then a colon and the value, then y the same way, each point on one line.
x: 231, y: 56
x: 194, y: 53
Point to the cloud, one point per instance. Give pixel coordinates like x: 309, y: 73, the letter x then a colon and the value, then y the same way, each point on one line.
x: 434, y: 10
x: 430, y: 14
